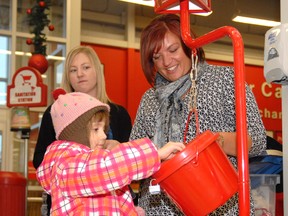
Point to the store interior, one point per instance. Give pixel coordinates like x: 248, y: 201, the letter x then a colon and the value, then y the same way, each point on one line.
x: 113, y: 29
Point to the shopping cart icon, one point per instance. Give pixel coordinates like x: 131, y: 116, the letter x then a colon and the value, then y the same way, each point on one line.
x: 26, y: 79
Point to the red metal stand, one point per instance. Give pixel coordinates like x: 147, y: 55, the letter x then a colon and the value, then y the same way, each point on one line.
x: 241, y: 125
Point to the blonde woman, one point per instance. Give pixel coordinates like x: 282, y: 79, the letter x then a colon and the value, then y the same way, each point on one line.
x: 83, y: 73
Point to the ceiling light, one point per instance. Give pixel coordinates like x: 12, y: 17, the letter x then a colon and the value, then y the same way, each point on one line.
x: 194, y: 8
x: 255, y: 21
x: 141, y: 2
x: 266, y: 14
x: 8, y: 52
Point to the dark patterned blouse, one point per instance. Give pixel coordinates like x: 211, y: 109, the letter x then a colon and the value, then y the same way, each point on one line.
x: 216, y: 111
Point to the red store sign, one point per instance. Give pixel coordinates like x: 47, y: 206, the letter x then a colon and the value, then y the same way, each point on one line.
x: 27, y: 89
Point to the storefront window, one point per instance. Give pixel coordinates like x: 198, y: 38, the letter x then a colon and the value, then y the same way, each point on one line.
x: 56, y: 15
x: 5, y: 55
x: 5, y: 14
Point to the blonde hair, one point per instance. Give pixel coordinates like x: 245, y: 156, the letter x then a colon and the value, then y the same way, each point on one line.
x: 101, y: 93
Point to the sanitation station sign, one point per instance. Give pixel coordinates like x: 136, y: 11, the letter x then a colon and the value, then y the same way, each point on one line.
x: 27, y: 89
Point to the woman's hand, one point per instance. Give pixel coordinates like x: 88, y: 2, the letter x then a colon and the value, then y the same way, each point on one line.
x: 170, y: 149
x: 227, y: 141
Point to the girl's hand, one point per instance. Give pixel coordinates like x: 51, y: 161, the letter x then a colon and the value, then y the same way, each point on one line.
x: 170, y: 149
x: 111, y: 144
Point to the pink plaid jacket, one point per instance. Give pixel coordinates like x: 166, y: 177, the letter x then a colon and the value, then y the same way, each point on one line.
x: 82, y: 181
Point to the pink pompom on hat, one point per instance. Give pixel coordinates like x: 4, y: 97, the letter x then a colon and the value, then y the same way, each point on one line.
x: 71, y: 112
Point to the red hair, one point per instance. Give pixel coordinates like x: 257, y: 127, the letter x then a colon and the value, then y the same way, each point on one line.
x: 152, y: 38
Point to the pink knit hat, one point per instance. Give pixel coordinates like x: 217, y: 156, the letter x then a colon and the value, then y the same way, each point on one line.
x: 70, y: 115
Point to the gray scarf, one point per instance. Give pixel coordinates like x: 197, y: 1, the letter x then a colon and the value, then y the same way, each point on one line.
x: 169, y: 116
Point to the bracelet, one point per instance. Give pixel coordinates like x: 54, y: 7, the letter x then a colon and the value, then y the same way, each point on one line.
x: 220, y: 140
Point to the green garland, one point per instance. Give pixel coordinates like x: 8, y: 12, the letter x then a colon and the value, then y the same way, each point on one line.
x: 38, y: 19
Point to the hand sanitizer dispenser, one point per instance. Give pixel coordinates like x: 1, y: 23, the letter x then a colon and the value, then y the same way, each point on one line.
x: 276, y: 55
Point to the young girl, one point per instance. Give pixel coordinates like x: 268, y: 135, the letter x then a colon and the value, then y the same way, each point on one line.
x: 83, y: 173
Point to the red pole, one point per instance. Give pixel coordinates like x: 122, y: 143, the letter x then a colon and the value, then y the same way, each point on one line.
x: 240, y: 96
